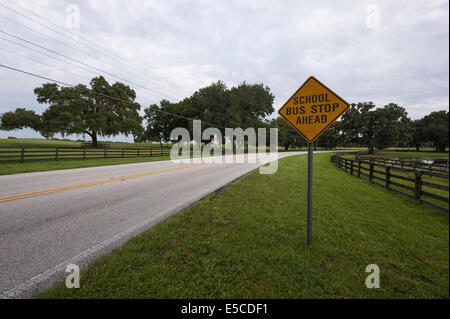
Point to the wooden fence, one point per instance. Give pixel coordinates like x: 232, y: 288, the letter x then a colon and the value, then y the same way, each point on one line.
x: 428, y: 185
x: 11, y: 154
x: 437, y: 165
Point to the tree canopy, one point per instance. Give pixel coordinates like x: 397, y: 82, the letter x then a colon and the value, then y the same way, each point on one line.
x: 365, y: 125
x: 246, y: 105
x: 101, y: 110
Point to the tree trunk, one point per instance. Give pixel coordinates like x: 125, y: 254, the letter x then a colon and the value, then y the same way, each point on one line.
x: 371, y: 150
x: 160, y: 143
x: 93, y: 137
x: 94, y: 140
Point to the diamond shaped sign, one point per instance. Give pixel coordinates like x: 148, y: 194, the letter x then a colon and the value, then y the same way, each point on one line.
x: 313, y: 109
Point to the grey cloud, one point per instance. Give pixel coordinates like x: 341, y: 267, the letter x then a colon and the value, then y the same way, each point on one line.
x: 278, y: 43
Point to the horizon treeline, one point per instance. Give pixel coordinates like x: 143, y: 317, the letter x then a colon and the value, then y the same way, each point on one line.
x: 102, y: 109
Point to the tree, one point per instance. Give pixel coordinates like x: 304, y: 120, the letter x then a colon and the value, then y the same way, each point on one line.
x: 358, y: 125
x: 20, y: 119
x: 215, y: 105
x: 160, y: 122
x: 103, y: 110
x: 329, y: 139
x: 435, y: 129
x: 391, y: 125
x: 418, y: 134
x: 378, y: 128
x: 349, y: 125
x: 287, y: 136
x: 250, y: 103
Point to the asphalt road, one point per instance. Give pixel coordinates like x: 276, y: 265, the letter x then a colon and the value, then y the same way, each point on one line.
x: 51, y: 219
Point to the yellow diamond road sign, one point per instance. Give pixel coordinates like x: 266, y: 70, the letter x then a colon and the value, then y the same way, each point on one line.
x: 313, y: 109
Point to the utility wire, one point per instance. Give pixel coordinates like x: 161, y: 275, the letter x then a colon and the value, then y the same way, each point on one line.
x: 86, y: 64
x: 96, y: 93
x: 47, y: 55
x: 129, y: 64
x: 37, y: 61
x: 74, y: 48
x: 99, y: 70
x: 56, y: 58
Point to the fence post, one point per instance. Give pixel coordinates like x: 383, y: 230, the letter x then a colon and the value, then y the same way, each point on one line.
x: 388, y: 177
x: 418, y: 185
x: 138, y: 153
x: 56, y: 154
x: 359, y: 169
x: 123, y: 153
x: 105, y: 151
x: 371, y: 172
x: 22, y: 155
x: 351, y: 168
x: 151, y: 152
x: 84, y: 153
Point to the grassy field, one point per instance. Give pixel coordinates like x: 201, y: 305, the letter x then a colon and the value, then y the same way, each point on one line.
x: 24, y: 142
x: 248, y: 241
x: 14, y: 168
x: 58, y: 143
x: 51, y: 164
x: 379, y: 172
x: 404, y: 155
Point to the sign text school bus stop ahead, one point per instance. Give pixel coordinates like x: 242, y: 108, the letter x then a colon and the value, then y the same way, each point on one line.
x: 311, y: 111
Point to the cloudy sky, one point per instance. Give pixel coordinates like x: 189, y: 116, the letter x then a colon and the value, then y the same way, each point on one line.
x: 380, y: 51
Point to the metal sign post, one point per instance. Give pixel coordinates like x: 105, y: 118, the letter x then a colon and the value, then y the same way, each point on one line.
x: 311, y: 111
x: 309, y: 200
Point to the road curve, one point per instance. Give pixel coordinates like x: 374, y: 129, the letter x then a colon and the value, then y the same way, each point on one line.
x: 51, y: 219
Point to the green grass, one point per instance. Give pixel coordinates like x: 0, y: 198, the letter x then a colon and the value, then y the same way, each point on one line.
x: 33, y: 152
x: 406, y: 155
x: 248, y: 241
x: 24, y: 142
x: 403, y: 155
x: 411, y: 175
x: 27, y: 167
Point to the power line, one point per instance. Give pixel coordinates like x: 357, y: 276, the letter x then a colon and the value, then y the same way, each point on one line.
x: 72, y: 47
x: 52, y: 57
x: 44, y: 54
x: 99, y: 70
x: 97, y: 93
x: 82, y: 63
x: 86, y: 64
x: 78, y: 36
x: 37, y: 61
x: 110, y: 52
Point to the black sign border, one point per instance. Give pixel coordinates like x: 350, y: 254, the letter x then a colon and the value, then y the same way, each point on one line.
x: 325, y: 128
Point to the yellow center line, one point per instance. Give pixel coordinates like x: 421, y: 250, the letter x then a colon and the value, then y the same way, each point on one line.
x: 87, y: 184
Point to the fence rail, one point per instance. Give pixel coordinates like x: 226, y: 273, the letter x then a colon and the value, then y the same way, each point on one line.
x: 437, y: 165
x: 427, y: 185
x: 11, y: 154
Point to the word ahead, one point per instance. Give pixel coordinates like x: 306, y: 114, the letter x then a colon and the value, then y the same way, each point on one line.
x: 313, y: 109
